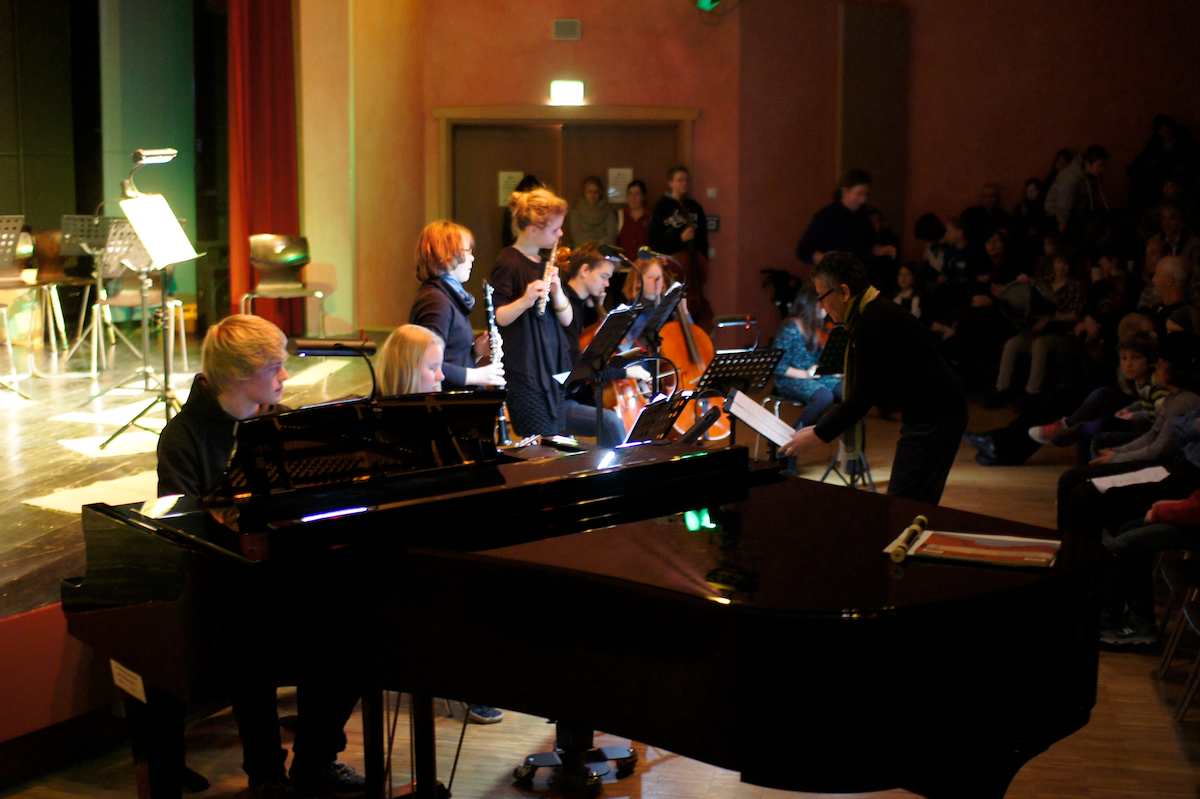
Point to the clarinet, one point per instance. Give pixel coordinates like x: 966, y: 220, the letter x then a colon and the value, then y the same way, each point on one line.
x: 551, y: 268
x: 497, y: 345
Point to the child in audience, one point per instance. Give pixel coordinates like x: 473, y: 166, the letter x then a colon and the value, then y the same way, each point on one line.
x: 907, y: 296
x: 1128, y: 408
x: 1083, y: 509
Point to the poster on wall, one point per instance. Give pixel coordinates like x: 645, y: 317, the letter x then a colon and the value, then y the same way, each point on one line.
x: 508, y: 184
x: 619, y: 178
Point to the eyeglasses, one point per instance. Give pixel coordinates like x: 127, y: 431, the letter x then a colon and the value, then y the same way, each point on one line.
x: 821, y: 297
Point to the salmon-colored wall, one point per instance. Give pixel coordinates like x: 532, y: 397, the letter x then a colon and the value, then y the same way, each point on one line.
x: 488, y: 52
x: 389, y: 51
x: 998, y: 87
x: 995, y: 89
x: 788, y: 133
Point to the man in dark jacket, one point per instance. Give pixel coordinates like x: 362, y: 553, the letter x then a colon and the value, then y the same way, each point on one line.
x: 844, y: 225
x: 892, y: 362
x: 242, y: 376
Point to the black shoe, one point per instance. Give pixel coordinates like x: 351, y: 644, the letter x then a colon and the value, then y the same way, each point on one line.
x: 193, y: 781
x: 327, y: 779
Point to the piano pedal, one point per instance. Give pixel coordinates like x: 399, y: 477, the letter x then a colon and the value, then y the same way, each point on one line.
x: 582, y: 779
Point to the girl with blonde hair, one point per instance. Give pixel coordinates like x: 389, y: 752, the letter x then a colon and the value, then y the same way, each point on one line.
x: 410, y: 362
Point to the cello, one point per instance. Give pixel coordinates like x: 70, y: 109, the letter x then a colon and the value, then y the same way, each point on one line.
x: 621, y: 395
x: 687, y: 345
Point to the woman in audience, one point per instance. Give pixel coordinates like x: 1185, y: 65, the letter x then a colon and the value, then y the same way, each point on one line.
x: 445, y: 253
x: 1049, y: 334
x: 800, y: 338
x: 410, y: 362
x: 592, y: 218
x: 634, y: 220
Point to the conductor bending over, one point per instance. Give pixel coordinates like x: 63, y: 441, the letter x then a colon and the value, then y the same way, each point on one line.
x: 891, y: 361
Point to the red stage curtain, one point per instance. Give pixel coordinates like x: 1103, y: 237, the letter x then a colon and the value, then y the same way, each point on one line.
x: 263, y: 179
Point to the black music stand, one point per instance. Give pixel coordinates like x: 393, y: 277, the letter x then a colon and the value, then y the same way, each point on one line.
x: 657, y: 316
x: 597, y: 358
x: 657, y: 419
x: 89, y: 235
x: 746, y: 371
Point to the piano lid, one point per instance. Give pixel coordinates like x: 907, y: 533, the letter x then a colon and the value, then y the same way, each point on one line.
x: 355, y: 440
x: 795, y: 546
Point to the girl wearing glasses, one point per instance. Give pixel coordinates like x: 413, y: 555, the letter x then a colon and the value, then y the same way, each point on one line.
x: 442, y: 304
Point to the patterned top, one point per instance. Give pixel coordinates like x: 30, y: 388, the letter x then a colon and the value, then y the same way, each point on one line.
x: 797, y: 355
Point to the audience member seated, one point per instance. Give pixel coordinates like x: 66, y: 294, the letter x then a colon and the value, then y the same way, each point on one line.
x: 907, y: 296
x: 1029, y: 220
x: 795, y: 377
x: 1178, y: 240
x: 1170, y: 524
x: 1126, y: 409
x: 1085, y: 510
x: 882, y: 267
x: 1049, y: 335
x: 1011, y: 445
x: 1109, y: 298
x: 1127, y: 619
x: 1171, y: 314
x: 980, y: 221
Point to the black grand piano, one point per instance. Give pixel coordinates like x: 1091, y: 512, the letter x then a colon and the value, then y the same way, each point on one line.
x: 677, y: 596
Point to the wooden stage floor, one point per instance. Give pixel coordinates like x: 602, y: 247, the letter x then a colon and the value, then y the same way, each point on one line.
x: 1131, y: 748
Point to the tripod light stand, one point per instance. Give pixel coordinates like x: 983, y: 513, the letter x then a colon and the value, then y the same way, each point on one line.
x: 165, y: 244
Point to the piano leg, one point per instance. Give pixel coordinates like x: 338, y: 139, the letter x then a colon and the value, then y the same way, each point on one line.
x: 372, y: 721
x: 156, y: 737
x: 425, y: 749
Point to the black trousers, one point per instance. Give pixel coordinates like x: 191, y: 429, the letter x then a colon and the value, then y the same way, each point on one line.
x: 323, y: 707
x: 924, y: 455
x: 1084, y: 511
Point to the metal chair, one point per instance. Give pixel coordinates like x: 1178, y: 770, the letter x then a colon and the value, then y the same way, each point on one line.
x: 279, y: 261
x: 127, y: 294
x: 778, y: 402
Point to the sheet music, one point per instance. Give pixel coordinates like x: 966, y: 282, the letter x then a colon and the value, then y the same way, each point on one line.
x: 1151, y: 474
x: 760, y: 419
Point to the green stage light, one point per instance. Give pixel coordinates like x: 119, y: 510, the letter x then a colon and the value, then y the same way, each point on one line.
x: 707, y: 5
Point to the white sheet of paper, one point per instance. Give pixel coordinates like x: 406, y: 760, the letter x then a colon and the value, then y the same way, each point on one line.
x: 1151, y: 474
x: 158, y: 228
x: 760, y: 419
x: 561, y: 377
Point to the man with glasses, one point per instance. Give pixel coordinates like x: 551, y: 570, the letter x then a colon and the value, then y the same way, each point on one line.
x: 890, y: 361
